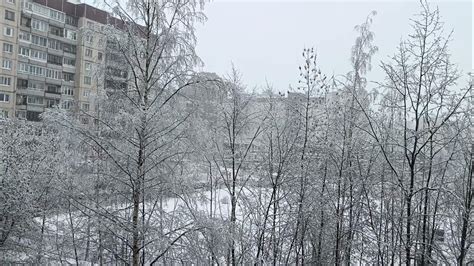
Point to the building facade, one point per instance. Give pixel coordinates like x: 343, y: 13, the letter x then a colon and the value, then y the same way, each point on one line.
x: 51, y: 50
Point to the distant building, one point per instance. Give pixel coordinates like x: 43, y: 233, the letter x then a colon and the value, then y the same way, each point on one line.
x: 50, y: 49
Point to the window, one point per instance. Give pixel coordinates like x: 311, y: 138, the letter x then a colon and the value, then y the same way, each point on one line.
x: 36, y: 86
x: 68, y: 76
x: 86, y: 93
x: 54, y: 44
x: 87, y: 66
x: 33, y: 116
x: 72, y: 35
x: 69, y: 61
x: 116, y: 72
x: 85, y: 106
x: 22, y: 83
x: 11, y: 1
x: 8, y: 48
x: 37, y: 71
x: 26, y: 22
x: 9, y: 15
x: 111, y: 44
x: 26, y: 5
x: 53, y: 74
x: 31, y: 69
x: 71, y: 21
x: 4, y: 97
x: 33, y: 54
x: 67, y: 105
x: 28, y: 84
x: 56, y: 89
x: 34, y: 100
x: 20, y: 114
x: 56, y: 15
x: 6, y: 64
x: 3, y: 114
x: 99, y: 56
x: 68, y: 90
x: 44, y: 11
x: 40, y: 10
x: 54, y: 59
x: 24, y: 51
x: 50, y: 103
x: 40, y: 41
x: 33, y: 85
x: 8, y: 31
x: 115, y: 85
x: 69, y: 48
x: 39, y: 25
x: 22, y: 67
x: 89, y: 38
x: 56, y: 31
x: 38, y: 55
x: 24, y: 36
x: 87, y: 80
x: 113, y: 57
x: 88, y: 52
x: 101, y: 42
x: 5, y: 81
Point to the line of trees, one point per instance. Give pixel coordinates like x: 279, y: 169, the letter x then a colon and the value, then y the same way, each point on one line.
x: 192, y: 168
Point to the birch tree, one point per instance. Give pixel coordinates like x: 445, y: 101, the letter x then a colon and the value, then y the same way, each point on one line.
x: 421, y: 78
x: 138, y: 125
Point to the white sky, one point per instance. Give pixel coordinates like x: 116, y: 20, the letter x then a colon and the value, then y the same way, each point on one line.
x: 264, y: 39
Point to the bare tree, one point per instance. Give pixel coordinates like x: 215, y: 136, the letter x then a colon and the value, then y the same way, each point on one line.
x: 240, y: 123
x: 420, y: 78
x: 137, y: 121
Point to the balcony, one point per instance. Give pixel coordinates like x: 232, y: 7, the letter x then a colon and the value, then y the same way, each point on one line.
x: 25, y: 22
x: 30, y: 91
x: 55, y: 31
x: 35, y: 107
x: 52, y: 95
x: 29, y: 7
x: 21, y: 100
x: 23, y: 104
x: 53, y: 91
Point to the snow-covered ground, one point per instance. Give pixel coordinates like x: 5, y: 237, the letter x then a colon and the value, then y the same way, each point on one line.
x: 59, y: 228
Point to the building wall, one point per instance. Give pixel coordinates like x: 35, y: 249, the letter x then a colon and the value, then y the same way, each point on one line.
x: 57, y: 48
x: 7, y: 59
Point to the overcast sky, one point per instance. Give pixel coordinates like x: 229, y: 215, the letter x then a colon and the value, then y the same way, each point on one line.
x: 264, y: 39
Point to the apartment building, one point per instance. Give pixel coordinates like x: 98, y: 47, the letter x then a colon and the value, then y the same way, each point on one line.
x: 51, y: 50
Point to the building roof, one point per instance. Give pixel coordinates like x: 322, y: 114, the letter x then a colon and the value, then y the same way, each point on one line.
x: 81, y: 10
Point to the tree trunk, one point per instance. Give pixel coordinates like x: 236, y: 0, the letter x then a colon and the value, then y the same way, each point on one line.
x: 466, y: 213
